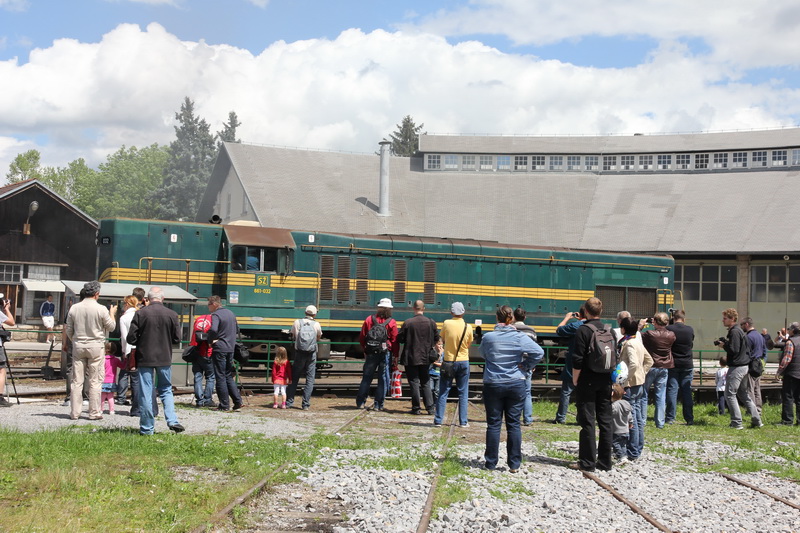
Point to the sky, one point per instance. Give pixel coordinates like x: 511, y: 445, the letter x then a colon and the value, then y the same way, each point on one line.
x: 82, y: 78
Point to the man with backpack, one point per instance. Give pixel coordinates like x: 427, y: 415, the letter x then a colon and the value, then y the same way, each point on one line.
x: 378, y: 339
x: 593, y: 361
x: 306, y: 332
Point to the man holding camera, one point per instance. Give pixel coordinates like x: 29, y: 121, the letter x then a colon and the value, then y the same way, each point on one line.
x: 6, y: 317
x: 737, y: 385
x: 658, y: 341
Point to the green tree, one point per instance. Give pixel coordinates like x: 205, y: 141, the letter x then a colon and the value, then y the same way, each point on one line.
x: 67, y: 181
x: 123, y: 184
x: 228, y: 133
x: 405, y: 140
x: 188, y: 168
x: 26, y: 166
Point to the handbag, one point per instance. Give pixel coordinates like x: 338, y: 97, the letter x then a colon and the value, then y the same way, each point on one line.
x: 241, y: 354
x: 756, y: 367
x: 190, y: 354
x: 447, y: 371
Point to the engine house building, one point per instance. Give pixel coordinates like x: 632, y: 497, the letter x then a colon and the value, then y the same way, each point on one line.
x: 721, y: 204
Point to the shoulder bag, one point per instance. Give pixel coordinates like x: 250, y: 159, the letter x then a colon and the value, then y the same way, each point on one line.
x: 447, y: 371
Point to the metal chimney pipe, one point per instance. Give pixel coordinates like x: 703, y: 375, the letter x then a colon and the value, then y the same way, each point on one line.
x: 383, y: 207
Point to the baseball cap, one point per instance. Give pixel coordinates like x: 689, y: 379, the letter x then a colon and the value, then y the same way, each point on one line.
x: 385, y: 302
x: 457, y: 308
x: 311, y: 310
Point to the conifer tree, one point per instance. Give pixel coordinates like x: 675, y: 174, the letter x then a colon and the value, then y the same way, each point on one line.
x: 405, y: 141
x: 191, y: 160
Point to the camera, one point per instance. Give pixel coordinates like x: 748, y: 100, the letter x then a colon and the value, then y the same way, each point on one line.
x: 649, y: 320
x: 575, y: 315
x: 720, y: 341
x: 5, y: 335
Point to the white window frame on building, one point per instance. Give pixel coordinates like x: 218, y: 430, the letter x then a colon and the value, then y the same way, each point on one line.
x: 704, y: 282
x: 664, y: 161
x: 759, y: 158
x: 774, y: 283
x: 720, y: 160
x: 795, y: 157
x: 574, y: 162
x: 779, y: 158
x: 537, y: 162
x: 503, y: 162
x: 467, y: 162
x: 626, y: 162
x: 434, y: 162
x: 683, y: 161
x: 645, y: 162
x: 739, y: 160
x: 591, y: 162
x: 701, y: 161
x: 556, y: 162
x: 486, y: 162
x: 609, y: 162
x: 450, y: 162
x: 521, y: 162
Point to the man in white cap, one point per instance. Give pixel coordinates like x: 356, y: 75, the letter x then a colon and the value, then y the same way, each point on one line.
x: 378, y: 339
x: 457, y: 337
x: 306, y: 332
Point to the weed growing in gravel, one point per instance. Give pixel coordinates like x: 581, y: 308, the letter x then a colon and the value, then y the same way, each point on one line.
x: 449, y: 490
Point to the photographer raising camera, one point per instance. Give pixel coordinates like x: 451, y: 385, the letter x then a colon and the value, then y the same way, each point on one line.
x: 6, y: 317
x: 737, y: 385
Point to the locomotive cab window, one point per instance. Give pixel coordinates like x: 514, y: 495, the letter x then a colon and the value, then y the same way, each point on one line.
x: 255, y: 259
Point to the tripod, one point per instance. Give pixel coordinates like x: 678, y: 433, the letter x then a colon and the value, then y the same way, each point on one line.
x: 10, y: 374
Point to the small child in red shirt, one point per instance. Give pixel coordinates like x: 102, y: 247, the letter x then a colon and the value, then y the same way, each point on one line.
x: 281, y: 376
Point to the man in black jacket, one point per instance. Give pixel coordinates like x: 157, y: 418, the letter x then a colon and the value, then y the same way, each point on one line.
x: 223, y: 341
x: 679, y: 378
x: 593, y: 396
x: 737, y: 385
x: 418, y: 335
x: 154, y: 329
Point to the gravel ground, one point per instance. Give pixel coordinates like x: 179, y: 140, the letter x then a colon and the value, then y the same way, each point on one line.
x: 49, y: 415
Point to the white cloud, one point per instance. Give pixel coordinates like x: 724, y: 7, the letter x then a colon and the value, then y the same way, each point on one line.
x: 259, y: 3
x: 14, y: 5
x: 746, y: 33
x: 88, y: 99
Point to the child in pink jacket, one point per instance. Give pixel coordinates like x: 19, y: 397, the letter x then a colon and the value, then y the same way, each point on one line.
x: 110, y: 382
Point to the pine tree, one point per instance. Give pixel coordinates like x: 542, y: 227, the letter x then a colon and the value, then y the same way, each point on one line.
x: 188, y: 169
x: 405, y: 141
x: 228, y: 133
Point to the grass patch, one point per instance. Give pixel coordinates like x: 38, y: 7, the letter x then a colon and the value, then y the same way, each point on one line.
x: 450, y: 490
x: 75, y: 479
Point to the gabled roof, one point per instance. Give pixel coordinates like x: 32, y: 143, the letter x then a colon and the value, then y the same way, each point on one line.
x: 8, y: 191
x: 723, y: 213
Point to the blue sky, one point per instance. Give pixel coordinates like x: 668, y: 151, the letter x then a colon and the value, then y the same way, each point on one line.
x: 83, y: 77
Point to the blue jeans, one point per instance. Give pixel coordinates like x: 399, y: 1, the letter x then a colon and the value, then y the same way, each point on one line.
x: 566, y: 391
x: 461, y: 371
x: 638, y: 403
x: 304, y: 364
x: 504, y: 399
x: 527, y: 407
x: 679, y: 380
x: 372, y: 364
x: 164, y: 386
x: 203, y: 367
x: 226, y: 384
x: 658, y: 378
x: 620, y: 444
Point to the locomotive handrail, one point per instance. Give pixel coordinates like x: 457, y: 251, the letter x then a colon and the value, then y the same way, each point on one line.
x: 317, y: 274
x: 188, y: 262
x: 551, y: 259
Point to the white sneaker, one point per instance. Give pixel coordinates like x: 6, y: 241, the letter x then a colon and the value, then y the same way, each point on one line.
x: 85, y: 402
x: 66, y: 403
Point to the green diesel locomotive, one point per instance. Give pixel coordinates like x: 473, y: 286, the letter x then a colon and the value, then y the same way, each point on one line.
x: 267, y: 276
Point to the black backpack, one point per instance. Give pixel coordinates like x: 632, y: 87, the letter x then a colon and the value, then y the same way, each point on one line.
x: 602, y: 357
x: 376, y: 338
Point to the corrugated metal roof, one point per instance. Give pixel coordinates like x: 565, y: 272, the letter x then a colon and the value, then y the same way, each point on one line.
x: 610, y: 144
x: 726, y: 213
